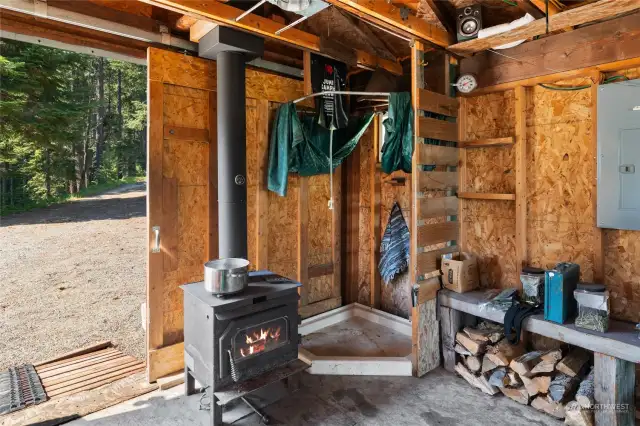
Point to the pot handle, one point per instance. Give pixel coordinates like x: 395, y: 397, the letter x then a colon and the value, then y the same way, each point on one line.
x: 238, y: 275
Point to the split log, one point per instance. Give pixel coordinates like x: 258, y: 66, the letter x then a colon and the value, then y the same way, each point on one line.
x: 547, y: 363
x: 586, y: 390
x: 554, y: 409
x: 514, y: 379
x: 485, y: 332
x: 473, y: 363
x: 577, y: 415
x: 458, y: 348
x: 487, y: 364
x: 474, y: 346
x: 536, y: 385
x: 517, y: 394
x: 561, y: 387
x: 478, y: 382
x: 499, y: 377
x: 525, y: 363
x: 572, y: 364
x: 502, y: 353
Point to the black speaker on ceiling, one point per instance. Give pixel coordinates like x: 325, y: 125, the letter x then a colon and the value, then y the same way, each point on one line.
x: 468, y: 22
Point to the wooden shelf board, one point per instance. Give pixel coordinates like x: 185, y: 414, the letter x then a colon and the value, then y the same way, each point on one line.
x: 486, y: 196
x: 484, y: 143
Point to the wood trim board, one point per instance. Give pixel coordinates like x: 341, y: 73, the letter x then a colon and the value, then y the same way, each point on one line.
x: 436, y: 155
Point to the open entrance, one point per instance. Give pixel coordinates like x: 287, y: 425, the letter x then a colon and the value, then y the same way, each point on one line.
x: 73, y: 208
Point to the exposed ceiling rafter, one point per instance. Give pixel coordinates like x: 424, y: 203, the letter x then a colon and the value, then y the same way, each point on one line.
x: 220, y: 13
x: 394, y: 18
x: 445, y: 12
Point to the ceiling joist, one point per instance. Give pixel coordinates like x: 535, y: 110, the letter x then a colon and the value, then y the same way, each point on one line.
x: 603, y: 9
x: 388, y: 16
x: 220, y: 13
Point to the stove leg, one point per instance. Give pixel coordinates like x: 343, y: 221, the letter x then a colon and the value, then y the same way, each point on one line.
x: 216, y: 411
x: 189, y: 382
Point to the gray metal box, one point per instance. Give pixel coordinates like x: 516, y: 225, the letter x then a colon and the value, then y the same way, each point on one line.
x: 619, y: 155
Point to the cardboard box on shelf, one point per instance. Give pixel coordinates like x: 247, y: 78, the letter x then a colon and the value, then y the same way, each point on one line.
x: 460, y: 274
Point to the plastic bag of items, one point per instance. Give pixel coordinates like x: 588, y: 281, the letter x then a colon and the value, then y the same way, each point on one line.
x: 532, y: 280
x: 497, y: 300
x: 593, y: 307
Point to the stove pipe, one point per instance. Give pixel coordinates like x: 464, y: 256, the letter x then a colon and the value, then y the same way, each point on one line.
x: 231, y: 49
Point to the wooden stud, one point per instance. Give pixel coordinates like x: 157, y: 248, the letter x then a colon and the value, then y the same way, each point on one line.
x: 303, y: 204
x: 336, y: 238
x: 213, y: 247
x: 262, y: 205
x: 155, y: 102
x: 598, y: 234
x: 614, y: 384
x: 374, y: 228
x: 462, y: 172
x: 521, y: 180
x: 320, y: 270
x: 425, y: 340
x: 352, y: 199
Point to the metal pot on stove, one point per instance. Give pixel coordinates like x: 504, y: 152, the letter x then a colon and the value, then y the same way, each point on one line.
x: 226, y: 276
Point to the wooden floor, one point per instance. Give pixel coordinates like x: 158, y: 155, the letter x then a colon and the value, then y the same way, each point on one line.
x: 87, y: 371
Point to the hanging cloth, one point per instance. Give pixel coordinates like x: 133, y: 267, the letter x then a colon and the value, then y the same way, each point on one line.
x: 302, y: 146
x: 398, y: 145
x: 394, y: 248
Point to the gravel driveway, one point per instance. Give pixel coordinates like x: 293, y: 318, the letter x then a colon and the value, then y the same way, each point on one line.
x: 73, y: 274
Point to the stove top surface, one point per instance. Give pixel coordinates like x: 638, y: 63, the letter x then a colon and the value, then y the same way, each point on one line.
x: 261, y: 284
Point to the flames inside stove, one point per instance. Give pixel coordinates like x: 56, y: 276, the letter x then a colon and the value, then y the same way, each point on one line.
x: 260, y: 338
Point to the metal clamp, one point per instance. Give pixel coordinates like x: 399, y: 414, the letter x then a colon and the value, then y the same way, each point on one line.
x: 156, y: 247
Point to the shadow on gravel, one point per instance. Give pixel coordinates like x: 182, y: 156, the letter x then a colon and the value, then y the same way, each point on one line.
x: 82, y: 210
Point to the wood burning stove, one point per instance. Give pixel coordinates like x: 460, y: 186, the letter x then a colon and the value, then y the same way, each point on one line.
x: 239, y: 337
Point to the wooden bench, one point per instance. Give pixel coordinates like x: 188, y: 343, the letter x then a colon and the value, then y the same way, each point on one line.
x: 615, y: 352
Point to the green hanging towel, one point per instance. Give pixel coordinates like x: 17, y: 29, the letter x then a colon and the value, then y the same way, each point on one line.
x: 302, y: 146
x: 398, y: 145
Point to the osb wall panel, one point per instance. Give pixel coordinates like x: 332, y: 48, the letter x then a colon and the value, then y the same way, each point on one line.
x: 560, y: 173
x: 559, y: 178
x: 364, y: 228
x: 490, y: 225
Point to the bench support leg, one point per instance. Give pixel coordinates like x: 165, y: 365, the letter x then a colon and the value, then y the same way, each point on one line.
x: 615, y: 382
x: 451, y: 321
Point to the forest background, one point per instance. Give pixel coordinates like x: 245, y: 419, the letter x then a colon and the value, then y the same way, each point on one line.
x: 70, y: 125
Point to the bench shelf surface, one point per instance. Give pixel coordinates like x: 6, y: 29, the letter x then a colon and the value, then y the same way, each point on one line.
x: 621, y: 341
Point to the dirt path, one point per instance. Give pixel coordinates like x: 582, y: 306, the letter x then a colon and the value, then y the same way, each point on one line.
x: 73, y: 274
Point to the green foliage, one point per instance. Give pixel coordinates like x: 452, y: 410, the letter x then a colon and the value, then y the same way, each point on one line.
x: 69, y: 121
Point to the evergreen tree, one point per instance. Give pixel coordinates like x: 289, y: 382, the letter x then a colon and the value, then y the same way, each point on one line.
x: 67, y: 120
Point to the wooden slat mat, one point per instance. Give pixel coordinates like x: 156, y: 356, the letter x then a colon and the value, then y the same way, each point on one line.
x: 87, y: 371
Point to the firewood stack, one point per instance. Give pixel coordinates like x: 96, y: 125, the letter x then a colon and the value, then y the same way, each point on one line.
x: 549, y: 381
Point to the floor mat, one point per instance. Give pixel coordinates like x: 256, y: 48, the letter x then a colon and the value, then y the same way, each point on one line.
x: 20, y: 387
